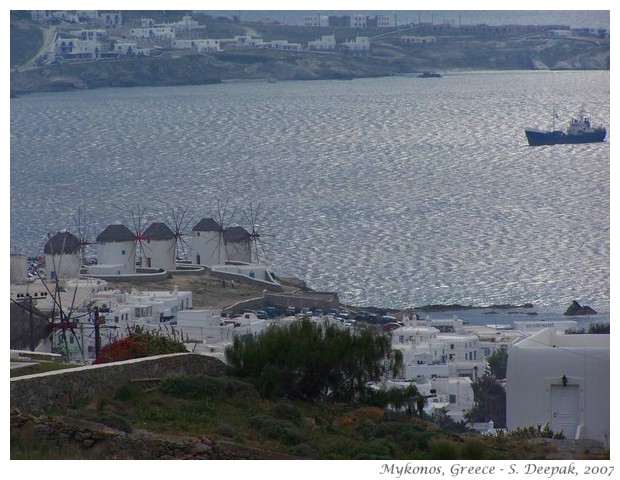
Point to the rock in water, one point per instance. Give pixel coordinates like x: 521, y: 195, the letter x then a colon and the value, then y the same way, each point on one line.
x: 576, y: 309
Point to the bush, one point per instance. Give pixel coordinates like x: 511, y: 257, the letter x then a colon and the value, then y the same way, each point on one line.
x: 287, y: 412
x: 442, y: 449
x: 199, y: 386
x: 139, y: 345
x: 281, y: 430
x: 474, y: 449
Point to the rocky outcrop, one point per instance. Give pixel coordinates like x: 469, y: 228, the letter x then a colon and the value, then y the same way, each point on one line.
x: 90, y: 439
x: 575, y: 309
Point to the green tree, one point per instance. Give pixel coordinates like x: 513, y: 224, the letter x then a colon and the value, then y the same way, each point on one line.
x: 489, y: 401
x: 498, y: 361
x: 311, y: 361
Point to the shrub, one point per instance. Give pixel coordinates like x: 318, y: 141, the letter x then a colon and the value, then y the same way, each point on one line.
x: 287, y: 412
x: 474, y: 449
x: 139, y: 345
x: 281, y: 430
x: 442, y: 449
x: 126, y: 392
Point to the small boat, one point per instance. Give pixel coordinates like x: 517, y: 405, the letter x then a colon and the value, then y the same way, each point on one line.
x: 429, y: 75
x: 579, y: 130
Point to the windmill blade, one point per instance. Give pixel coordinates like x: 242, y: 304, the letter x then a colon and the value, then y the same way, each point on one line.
x: 256, y: 218
x: 180, y: 226
x: 138, y: 222
x: 82, y: 224
x: 224, y: 217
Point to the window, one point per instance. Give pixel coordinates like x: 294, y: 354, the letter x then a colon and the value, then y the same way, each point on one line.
x: 452, y: 398
x: 123, y: 252
x: 452, y: 346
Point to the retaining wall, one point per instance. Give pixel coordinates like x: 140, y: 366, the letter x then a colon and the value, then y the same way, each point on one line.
x: 63, y: 388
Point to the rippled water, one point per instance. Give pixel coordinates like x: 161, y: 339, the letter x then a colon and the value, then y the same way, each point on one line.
x: 393, y: 191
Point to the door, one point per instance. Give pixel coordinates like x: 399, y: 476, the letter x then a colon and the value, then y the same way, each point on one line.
x: 564, y: 409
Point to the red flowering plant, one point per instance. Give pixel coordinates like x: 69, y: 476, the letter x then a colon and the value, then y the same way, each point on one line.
x: 138, y: 345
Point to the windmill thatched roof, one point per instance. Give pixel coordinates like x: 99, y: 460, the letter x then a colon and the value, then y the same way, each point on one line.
x: 207, y: 225
x: 159, y: 231
x: 236, y: 234
x: 116, y: 232
x: 62, y: 243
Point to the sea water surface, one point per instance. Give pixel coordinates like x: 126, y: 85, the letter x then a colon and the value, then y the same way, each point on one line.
x: 393, y: 191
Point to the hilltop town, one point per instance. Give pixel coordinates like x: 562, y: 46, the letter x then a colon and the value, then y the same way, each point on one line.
x: 59, y: 50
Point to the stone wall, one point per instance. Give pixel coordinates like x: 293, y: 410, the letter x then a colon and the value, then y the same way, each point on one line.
x: 64, y: 388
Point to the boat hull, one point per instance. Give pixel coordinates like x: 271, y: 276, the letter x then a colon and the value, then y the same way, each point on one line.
x: 537, y: 138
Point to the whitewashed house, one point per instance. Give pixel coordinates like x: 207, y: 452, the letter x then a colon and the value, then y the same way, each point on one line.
x: 157, y: 32
x: 360, y: 44
x: 561, y: 380
x: 62, y: 256
x: 200, y: 45
x: 159, y: 247
x: 110, y: 19
x: 75, y: 49
x: 283, y: 45
x: 116, y: 251
x: 316, y: 20
x: 121, y: 313
x: 131, y: 48
x: 326, y: 42
x: 416, y: 40
x: 204, y: 325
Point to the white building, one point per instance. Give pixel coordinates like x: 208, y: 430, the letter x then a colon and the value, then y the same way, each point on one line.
x: 159, y: 247
x: 562, y: 380
x: 384, y: 21
x: 120, y: 313
x: 116, y: 251
x: 360, y: 44
x: 326, y: 42
x: 77, y: 49
x: 415, y: 40
x: 131, y: 48
x: 94, y: 34
x: 63, y: 256
x: 283, y: 45
x: 316, y: 20
x: 153, y: 33
x: 204, y: 325
x: 111, y: 19
x: 200, y: 45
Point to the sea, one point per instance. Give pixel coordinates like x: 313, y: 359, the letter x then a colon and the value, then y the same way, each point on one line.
x: 393, y: 192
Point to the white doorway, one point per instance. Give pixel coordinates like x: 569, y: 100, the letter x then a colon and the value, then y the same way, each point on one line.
x: 564, y: 409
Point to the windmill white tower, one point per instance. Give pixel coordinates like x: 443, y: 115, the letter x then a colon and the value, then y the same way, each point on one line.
x: 209, y: 245
x: 116, y: 253
x: 160, y: 249
x: 62, y: 256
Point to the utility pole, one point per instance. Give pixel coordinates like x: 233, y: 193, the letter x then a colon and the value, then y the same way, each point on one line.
x: 97, y: 336
x: 31, y: 322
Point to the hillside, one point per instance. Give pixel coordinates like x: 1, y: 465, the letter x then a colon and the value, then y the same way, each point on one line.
x: 201, y: 417
x: 386, y: 57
